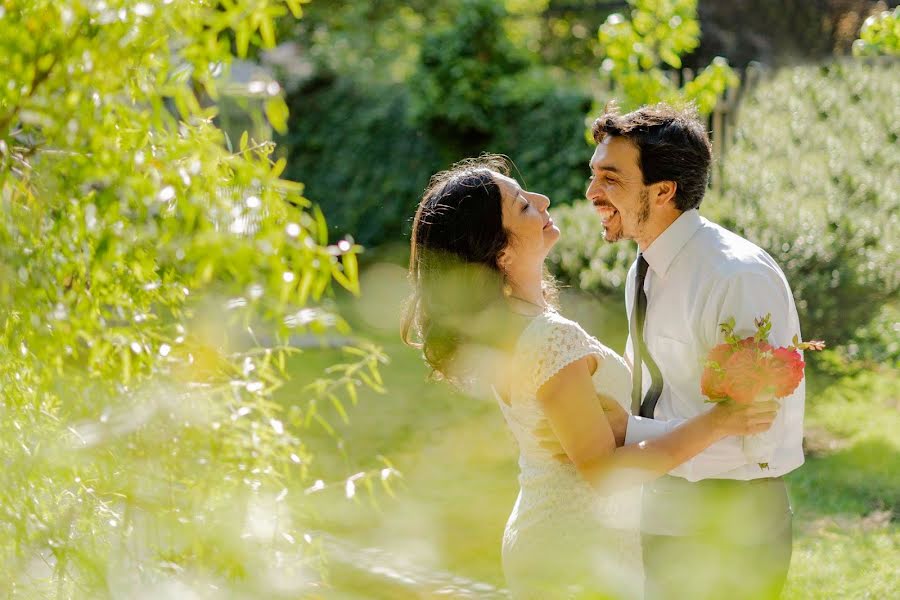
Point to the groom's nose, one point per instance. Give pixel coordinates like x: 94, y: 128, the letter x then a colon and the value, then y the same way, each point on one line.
x: 593, y: 190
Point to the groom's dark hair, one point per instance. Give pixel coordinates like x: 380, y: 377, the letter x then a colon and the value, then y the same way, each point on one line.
x: 672, y: 146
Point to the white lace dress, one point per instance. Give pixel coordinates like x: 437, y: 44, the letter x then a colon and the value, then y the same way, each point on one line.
x: 564, y: 538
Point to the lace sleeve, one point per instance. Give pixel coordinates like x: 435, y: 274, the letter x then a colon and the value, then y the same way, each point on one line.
x: 550, y: 346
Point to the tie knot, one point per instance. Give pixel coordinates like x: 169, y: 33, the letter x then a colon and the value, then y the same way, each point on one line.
x: 642, y: 266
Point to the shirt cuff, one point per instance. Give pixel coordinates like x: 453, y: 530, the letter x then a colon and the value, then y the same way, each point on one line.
x: 640, y: 429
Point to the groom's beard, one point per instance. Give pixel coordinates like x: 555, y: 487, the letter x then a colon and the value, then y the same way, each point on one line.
x: 644, y: 215
x: 614, y: 231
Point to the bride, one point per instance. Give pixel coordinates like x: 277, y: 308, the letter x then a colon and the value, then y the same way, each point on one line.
x: 482, y: 312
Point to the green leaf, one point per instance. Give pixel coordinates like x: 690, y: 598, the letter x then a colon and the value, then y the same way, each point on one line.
x: 339, y: 407
x: 321, y: 226
x: 242, y: 39
x: 670, y: 58
x: 277, y: 113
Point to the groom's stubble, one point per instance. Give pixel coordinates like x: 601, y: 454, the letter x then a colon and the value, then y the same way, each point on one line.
x: 618, y: 233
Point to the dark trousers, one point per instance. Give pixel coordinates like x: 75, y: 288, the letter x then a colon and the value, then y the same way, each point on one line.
x: 736, y: 543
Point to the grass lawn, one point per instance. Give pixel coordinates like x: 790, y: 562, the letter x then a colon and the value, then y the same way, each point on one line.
x: 459, y: 477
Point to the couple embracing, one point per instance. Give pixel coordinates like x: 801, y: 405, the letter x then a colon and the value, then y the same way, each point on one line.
x: 631, y: 485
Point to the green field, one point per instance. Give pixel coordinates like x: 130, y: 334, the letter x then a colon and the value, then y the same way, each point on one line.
x: 459, y: 476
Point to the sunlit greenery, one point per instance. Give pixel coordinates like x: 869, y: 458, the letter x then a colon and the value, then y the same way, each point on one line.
x: 187, y: 407
x: 880, y: 35
x: 152, y: 277
x: 655, y: 35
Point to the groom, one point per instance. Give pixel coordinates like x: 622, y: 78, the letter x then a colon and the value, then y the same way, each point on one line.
x: 718, y: 526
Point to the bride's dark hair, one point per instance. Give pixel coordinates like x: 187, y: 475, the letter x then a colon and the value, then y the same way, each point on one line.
x: 454, y: 266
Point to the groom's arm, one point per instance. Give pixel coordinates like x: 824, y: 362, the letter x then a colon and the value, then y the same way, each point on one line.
x: 745, y: 296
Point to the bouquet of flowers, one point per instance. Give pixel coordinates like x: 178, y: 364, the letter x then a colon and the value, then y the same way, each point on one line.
x: 750, y: 369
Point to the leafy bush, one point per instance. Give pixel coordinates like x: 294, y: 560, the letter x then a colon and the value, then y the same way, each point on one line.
x: 146, y: 272
x: 359, y: 156
x: 656, y: 35
x: 379, y: 160
x: 879, y: 35
x: 457, y: 88
x: 809, y: 179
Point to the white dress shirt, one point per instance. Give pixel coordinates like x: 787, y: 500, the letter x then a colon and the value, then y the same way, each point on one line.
x: 701, y: 275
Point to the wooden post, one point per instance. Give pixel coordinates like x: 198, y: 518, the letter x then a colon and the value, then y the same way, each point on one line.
x: 717, y: 120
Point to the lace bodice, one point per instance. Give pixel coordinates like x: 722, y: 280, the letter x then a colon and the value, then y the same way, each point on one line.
x: 547, y: 345
x: 557, y: 511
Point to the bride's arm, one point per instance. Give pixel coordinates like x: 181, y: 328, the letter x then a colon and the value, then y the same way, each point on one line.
x: 579, y: 422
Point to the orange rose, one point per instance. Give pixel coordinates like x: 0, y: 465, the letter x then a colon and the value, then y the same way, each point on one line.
x: 745, y: 376
x: 712, y: 383
x: 785, y: 370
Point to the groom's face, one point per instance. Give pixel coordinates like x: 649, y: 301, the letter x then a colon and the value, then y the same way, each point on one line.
x: 617, y: 189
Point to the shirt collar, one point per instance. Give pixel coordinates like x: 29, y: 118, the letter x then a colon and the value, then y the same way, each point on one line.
x: 666, y: 247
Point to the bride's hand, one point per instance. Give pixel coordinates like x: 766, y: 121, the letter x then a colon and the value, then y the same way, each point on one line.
x: 732, y: 418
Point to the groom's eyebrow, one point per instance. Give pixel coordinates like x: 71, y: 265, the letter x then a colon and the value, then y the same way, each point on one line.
x: 610, y: 168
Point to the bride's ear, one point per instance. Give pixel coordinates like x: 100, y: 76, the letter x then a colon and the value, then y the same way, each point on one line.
x: 504, y: 258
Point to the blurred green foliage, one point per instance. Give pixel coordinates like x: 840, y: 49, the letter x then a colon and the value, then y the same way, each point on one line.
x: 367, y: 161
x: 360, y: 156
x: 381, y: 41
x: 458, y: 86
x: 879, y: 35
x: 809, y: 178
x: 372, y: 41
x: 146, y: 271
x: 655, y: 36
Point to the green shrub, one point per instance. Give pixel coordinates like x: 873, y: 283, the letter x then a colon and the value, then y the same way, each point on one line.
x: 379, y: 161
x: 145, y: 273
x: 809, y: 178
x: 582, y: 258
x: 543, y: 133
x: 359, y: 156
x: 879, y: 35
x: 457, y: 87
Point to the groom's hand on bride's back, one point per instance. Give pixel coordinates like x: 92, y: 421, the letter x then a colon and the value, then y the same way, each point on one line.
x: 549, y: 442
x: 615, y: 414
x: 617, y: 417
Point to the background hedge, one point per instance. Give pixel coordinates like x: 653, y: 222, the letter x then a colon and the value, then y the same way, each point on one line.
x: 364, y: 159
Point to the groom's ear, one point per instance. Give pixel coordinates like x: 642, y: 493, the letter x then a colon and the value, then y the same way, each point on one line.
x: 665, y: 192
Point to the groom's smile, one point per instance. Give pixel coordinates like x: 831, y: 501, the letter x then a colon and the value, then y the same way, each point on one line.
x: 605, y: 210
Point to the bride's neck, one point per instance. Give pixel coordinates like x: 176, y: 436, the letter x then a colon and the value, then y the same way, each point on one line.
x: 527, y: 284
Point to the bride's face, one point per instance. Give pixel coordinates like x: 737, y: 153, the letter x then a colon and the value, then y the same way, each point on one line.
x: 525, y: 217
